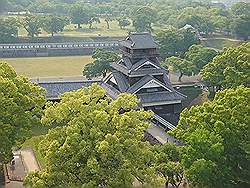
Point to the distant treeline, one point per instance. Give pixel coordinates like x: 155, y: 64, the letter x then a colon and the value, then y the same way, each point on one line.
x: 206, y: 17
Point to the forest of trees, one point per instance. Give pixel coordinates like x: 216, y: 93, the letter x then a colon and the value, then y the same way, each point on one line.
x: 204, y: 16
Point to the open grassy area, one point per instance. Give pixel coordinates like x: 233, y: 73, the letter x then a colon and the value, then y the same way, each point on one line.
x: 220, y: 43
x: 97, y: 29
x: 49, y: 66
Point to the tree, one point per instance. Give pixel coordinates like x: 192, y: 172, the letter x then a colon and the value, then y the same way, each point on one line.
x: 8, y: 30
x: 170, y: 42
x: 241, y: 26
x: 143, y: 19
x: 54, y: 24
x: 107, y: 20
x: 230, y: 68
x: 167, y: 164
x: 197, y: 17
x: 215, y: 135
x: 21, y: 104
x: 175, y: 42
x: 80, y: 15
x: 200, y: 56
x: 97, y: 142
x: 241, y: 8
x: 183, y: 66
x: 32, y: 24
x: 123, y: 22
x: 92, y: 20
x: 101, y: 64
x: 189, y: 38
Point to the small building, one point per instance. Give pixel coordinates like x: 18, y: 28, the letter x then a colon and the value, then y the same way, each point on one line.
x: 139, y: 72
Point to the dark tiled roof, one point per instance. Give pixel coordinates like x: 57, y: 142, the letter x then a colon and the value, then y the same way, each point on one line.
x: 111, y: 91
x: 160, y: 97
x: 139, y: 41
x: 143, y: 81
x: 121, y: 80
x: 57, y: 88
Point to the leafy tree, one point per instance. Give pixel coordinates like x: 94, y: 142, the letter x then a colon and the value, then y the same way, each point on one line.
x: 32, y: 24
x: 54, y: 24
x: 175, y: 42
x: 8, y: 30
x: 101, y: 64
x: 197, y: 17
x: 241, y: 8
x: 215, y: 135
x: 21, y: 105
x: 230, y: 68
x: 123, y: 22
x: 143, y: 18
x: 221, y: 23
x: 107, y: 20
x: 79, y: 15
x: 241, y: 26
x: 97, y: 142
x: 92, y: 20
x: 183, y: 66
x: 170, y: 42
x: 200, y: 56
x: 167, y: 164
x: 189, y: 38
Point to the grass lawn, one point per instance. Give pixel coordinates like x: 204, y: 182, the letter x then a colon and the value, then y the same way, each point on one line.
x: 49, y: 66
x: 97, y: 28
x: 220, y: 43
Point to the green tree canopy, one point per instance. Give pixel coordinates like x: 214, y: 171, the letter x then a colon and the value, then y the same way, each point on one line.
x: 80, y: 15
x: 101, y: 64
x: 21, y: 105
x: 183, y: 66
x: 174, y: 42
x: 123, y: 22
x: 8, y: 30
x: 54, y: 24
x: 241, y: 26
x: 230, y: 68
x: 241, y: 8
x: 97, y: 142
x: 216, y: 135
x: 143, y: 18
x: 200, y: 56
x: 32, y: 24
x: 167, y: 164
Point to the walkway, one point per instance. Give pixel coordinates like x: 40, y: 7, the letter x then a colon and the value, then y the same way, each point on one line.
x: 24, y: 163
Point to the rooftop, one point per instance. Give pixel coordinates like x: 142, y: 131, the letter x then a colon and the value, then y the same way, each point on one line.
x: 139, y: 41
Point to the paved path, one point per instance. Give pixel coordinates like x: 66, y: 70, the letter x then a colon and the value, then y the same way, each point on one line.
x: 25, y: 162
x: 29, y: 160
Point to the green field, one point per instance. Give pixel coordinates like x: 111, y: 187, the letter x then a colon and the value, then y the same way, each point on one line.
x: 49, y: 66
x: 220, y: 43
x: 97, y: 29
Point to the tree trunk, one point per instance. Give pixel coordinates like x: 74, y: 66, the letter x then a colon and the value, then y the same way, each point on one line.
x: 79, y: 26
x: 104, y: 74
x: 52, y: 34
x: 107, y: 24
x: 181, y: 74
x: 90, y: 25
x: 166, y: 184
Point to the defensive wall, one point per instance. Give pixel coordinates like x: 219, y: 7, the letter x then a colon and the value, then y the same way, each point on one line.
x: 54, y: 49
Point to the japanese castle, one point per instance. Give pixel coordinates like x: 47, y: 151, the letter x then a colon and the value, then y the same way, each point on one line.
x: 139, y: 72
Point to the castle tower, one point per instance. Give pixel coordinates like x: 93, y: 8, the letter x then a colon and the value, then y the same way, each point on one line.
x: 139, y: 72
